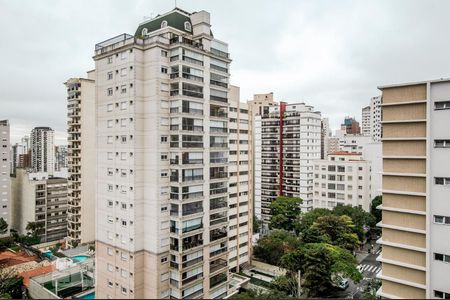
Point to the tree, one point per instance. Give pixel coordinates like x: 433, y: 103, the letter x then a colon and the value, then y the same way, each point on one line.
x: 257, y: 223
x: 34, y: 228
x: 3, y: 226
x: 378, y: 200
x: 361, y: 219
x: 287, y: 283
x: 271, y: 247
x: 339, y: 230
x: 259, y: 294
x: 10, y: 284
x: 321, y: 265
x: 370, y: 292
x: 285, y: 212
x: 306, y: 220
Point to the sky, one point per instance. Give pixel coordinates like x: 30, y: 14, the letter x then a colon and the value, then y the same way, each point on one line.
x: 329, y: 54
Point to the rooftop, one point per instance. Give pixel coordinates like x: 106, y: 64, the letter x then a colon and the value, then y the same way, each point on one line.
x: 345, y: 153
x: 412, y: 83
x: 175, y: 18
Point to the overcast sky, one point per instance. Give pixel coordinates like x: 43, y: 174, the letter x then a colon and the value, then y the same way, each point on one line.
x: 330, y: 54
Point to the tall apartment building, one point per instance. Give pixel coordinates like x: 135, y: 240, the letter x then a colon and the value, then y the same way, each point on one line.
x: 19, y: 152
x: 5, y: 165
x: 342, y: 179
x: 41, y: 199
x: 42, y: 150
x: 258, y: 106
x: 350, y: 126
x: 240, y: 202
x: 333, y: 145
x: 161, y: 230
x: 366, y: 121
x: 324, y: 138
x: 61, y: 157
x: 416, y: 181
x: 375, y: 118
x: 81, y: 157
x: 290, y: 141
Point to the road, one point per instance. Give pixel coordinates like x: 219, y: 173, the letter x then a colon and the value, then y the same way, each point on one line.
x: 370, y: 267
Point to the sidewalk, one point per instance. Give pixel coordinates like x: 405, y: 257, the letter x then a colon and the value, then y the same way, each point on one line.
x: 362, y: 254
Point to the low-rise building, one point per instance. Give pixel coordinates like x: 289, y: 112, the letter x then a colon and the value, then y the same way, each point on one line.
x: 36, y: 197
x: 342, y: 179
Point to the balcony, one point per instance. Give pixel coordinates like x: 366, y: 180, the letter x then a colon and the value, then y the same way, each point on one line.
x: 218, y: 130
x: 191, y: 93
x: 194, y: 195
x: 195, y: 261
x: 218, y: 145
x: 193, y: 278
x: 187, y: 161
x: 217, y: 265
x: 191, y: 128
x: 218, y: 175
x: 219, y: 53
x: 219, y: 99
x: 218, y: 234
x: 192, y: 178
x: 217, y: 280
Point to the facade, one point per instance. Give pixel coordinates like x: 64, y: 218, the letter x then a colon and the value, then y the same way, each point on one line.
x: 342, y: 179
x: 61, y: 157
x: 350, y: 126
x: 416, y: 180
x: 290, y: 142
x: 324, y: 138
x: 81, y: 158
x: 333, y: 145
x: 5, y: 165
x: 258, y: 106
x: 162, y: 211
x: 42, y: 150
x: 41, y: 199
x: 240, y: 202
x: 375, y: 118
x: 366, y: 121
x: 19, y: 154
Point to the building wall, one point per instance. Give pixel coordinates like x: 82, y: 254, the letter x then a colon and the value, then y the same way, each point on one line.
x: 366, y: 122
x: 5, y: 170
x: 348, y: 185
x: 375, y: 118
x: 42, y: 150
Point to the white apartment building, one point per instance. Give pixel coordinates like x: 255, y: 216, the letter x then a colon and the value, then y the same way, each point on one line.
x: 416, y: 188
x: 42, y: 146
x: 41, y: 199
x: 82, y: 159
x: 156, y: 234
x: 375, y: 118
x: 342, y: 179
x: 240, y: 202
x: 61, y: 157
x: 366, y: 121
x: 333, y: 145
x: 290, y: 142
x: 5, y: 165
x: 18, y: 151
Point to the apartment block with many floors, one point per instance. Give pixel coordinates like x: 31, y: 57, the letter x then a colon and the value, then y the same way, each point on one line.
x: 40, y: 198
x: 290, y: 142
x: 240, y: 191
x: 81, y: 157
x: 161, y: 230
x: 324, y: 138
x: 366, y: 123
x: 375, y: 118
x: 5, y: 166
x: 342, y: 179
x: 415, y: 210
x: 42, y: 147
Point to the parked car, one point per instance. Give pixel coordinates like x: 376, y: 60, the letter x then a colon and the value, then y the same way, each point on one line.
x: 343, y: 284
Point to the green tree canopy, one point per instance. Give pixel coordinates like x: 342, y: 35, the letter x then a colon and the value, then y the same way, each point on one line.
x: 3, y: 226
x: 270, y: 248
x: 34, y: 228
x: 339, y: 230
x: 264, y: 295
x: 306, y: 220
x: 10, y: 284
x: 285, y: 212
x: 321, y: 265
x: 361, y: 219
x: 378, y: 200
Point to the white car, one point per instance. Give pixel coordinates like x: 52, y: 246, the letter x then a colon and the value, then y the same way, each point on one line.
x: 343, y: 284
x: 360, y: 268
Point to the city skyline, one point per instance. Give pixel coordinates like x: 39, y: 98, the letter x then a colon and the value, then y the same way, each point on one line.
x: 344, y: 53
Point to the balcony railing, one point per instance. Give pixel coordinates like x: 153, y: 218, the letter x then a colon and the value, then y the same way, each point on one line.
x: 192, y: 178
x: 191, y: 93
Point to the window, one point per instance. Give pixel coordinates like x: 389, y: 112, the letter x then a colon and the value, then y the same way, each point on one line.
x: 109, y: 75
x: 164, y: 53
x: 164, y: 259
x: 123, y: 105
x: 109, y: 91
x: 109, y: 203
x: 442, y: 220
x: 438, y: 105
x: 163, y: 24
x: 123, y: 55
x: 109, y: 155
x: 109, y: 107
x: 164, y: 139
x: 110, y: 60
x: 442, y: 181
x: 124, y: 290
x: 164, y: 70
x: 123, y: 89
x: 163, y: 156
x: 123, y: 139
x: 442, y: 257
x: 110, y: 268
x: 441, y: 143
x: 187, y: 26
x: 109, y: 123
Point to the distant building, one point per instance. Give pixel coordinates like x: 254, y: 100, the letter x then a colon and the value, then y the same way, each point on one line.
x: 366, y: 121
x: 350, y: 126
x: 41, y: 199
x: 42, y: 150
x: 19, y: 152
x: 5, y: 165
x: 324, y: 138
x: 342, y: 179
x: 61, y: 157
x: 333, y: 145
x: 375, y: 118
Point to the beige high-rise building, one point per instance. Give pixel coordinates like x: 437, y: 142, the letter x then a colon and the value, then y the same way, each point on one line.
x: 366, y: 123
x: 163, y: 171
x: 42, y: 145
x: 41, y: 199
x: 415, y: 187
x: 5, y: 170
x: 82, y: 158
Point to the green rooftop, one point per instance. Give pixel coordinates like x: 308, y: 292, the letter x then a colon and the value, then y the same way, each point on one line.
x: 174, y: 19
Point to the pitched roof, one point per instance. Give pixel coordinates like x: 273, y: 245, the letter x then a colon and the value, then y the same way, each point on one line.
x: 174, y: 19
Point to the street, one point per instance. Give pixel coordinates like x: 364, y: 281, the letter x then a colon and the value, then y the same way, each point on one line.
x: 369, y: 269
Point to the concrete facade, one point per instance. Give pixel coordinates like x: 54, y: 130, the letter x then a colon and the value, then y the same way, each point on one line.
x: 42, y: 146
x: 5, y: 170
